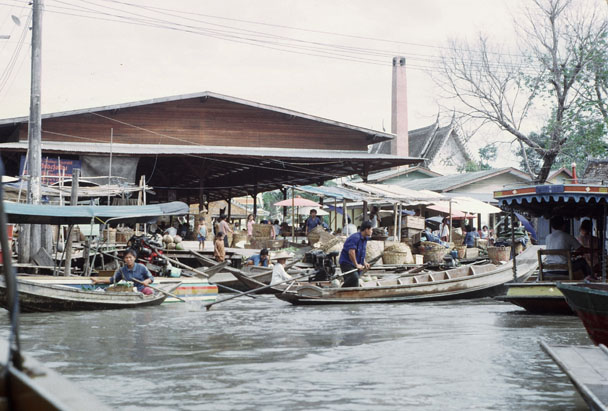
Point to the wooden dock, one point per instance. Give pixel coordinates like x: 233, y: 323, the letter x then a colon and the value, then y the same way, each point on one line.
x: 587, y: 368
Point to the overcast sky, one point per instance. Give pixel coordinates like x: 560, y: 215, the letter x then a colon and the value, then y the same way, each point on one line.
x: 230, y: 47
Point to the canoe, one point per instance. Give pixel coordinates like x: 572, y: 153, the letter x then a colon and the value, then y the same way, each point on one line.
x: 470, y: 281
x: 37, y: 297
x: 191, y: 288
x: 590, y: 302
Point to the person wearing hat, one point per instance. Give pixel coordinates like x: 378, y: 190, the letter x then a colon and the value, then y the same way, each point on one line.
x: 259, y: 260
x: 278, y: 271
x: 352, y: 257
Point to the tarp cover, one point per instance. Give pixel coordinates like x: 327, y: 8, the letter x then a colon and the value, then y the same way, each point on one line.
x: 56, y: 215
x: 98, y: 166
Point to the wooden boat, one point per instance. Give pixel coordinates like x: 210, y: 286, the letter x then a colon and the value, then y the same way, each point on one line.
x: 590, y: 302
x: 38, y: 297
x: 537, y: 298
x: 587, y: 367
x: 471, y: 281
x: 547, y: 200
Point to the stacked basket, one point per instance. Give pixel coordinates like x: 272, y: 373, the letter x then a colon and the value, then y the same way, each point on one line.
x: 432, y: 252
x: 499, y: 254
x: 397, y: 253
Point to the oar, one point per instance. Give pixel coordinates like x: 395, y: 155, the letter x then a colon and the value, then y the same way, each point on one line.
x: 255, y: 290
x: 158, y: 289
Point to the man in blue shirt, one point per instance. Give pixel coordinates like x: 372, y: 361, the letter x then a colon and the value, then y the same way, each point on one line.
x: 352, y: 256
x: 259, y: 260
x: 312, y: 221
x: 130, y: 270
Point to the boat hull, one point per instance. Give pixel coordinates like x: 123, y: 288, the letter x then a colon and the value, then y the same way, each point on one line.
x: 590, y: 302
x: 537, y: 298
x: 482, y: 281
x: 190, y: 289
x: 35, y: 297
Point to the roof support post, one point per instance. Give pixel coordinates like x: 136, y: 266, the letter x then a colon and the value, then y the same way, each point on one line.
x: 603, y: 242
x: 284, y: 191
x: 255, y: 202
x: 513, y: 245
x: 68, y: 240
x: 229, y: 205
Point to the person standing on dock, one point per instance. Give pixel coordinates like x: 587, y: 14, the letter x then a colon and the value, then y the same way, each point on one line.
x: 352, y: 257
x: 219, y: 251
x: 311, y: 222
x: 202, y: 233
x: 225, y: 229
x: 130, y: 270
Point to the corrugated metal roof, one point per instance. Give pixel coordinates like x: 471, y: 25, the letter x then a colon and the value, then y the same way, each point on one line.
x: 379, y: 135
x: 171, y: 150
x: 458, y: 180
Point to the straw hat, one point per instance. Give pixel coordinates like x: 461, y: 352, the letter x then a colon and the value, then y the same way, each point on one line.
x: 280, y: 255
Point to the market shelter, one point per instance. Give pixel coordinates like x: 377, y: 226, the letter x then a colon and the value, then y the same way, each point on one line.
x: 203, y: 146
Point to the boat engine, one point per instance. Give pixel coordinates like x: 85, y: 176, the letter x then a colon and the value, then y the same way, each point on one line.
x: 149, y: 253
x: 323, y: 264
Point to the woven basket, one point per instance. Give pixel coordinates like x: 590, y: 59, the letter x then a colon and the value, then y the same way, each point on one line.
x: 335, y: 244
x: 120, y: 288
x: 498, y: 254
x: 391, y: 246
x: 395, y: 246
x: 457, y: 238
x: 434, y: 255
x: 374, y: 249
x: 394, y: 257
x: 462, y: 250
x: 239, y: 236
x: 262, y: 230
x: 431, y: 245
x: 315, y: 235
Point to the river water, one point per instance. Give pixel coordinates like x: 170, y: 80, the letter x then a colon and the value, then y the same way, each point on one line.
x: 265, y: 354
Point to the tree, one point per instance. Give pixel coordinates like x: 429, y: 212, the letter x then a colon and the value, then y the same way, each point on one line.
x: 546, y: 78
x: 487, y: 154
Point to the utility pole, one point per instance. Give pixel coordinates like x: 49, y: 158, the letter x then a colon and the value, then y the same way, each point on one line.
x: 35, y: 123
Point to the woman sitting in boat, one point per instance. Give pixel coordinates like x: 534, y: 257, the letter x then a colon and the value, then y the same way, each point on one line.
x: 352, y: 257
x: 278, y: 272
x: 588, y: 240
x: 259, y: 260
x: 131, y: 270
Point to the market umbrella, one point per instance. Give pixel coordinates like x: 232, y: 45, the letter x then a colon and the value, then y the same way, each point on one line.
x: 297, y: 202
x: 306, y: 210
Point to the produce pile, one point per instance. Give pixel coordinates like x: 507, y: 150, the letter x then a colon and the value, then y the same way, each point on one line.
x: 173, y: 242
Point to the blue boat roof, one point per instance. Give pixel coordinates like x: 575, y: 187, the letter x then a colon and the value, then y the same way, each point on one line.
x: 18, y: 213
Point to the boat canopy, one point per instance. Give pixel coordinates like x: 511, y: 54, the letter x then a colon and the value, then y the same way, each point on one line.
x: 47, y: 214
x: 570, y: 200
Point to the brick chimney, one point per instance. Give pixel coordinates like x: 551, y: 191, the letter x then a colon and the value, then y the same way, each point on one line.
x: 400, y: 145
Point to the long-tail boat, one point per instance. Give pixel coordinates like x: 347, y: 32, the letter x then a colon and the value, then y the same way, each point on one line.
x: 469, y: 281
